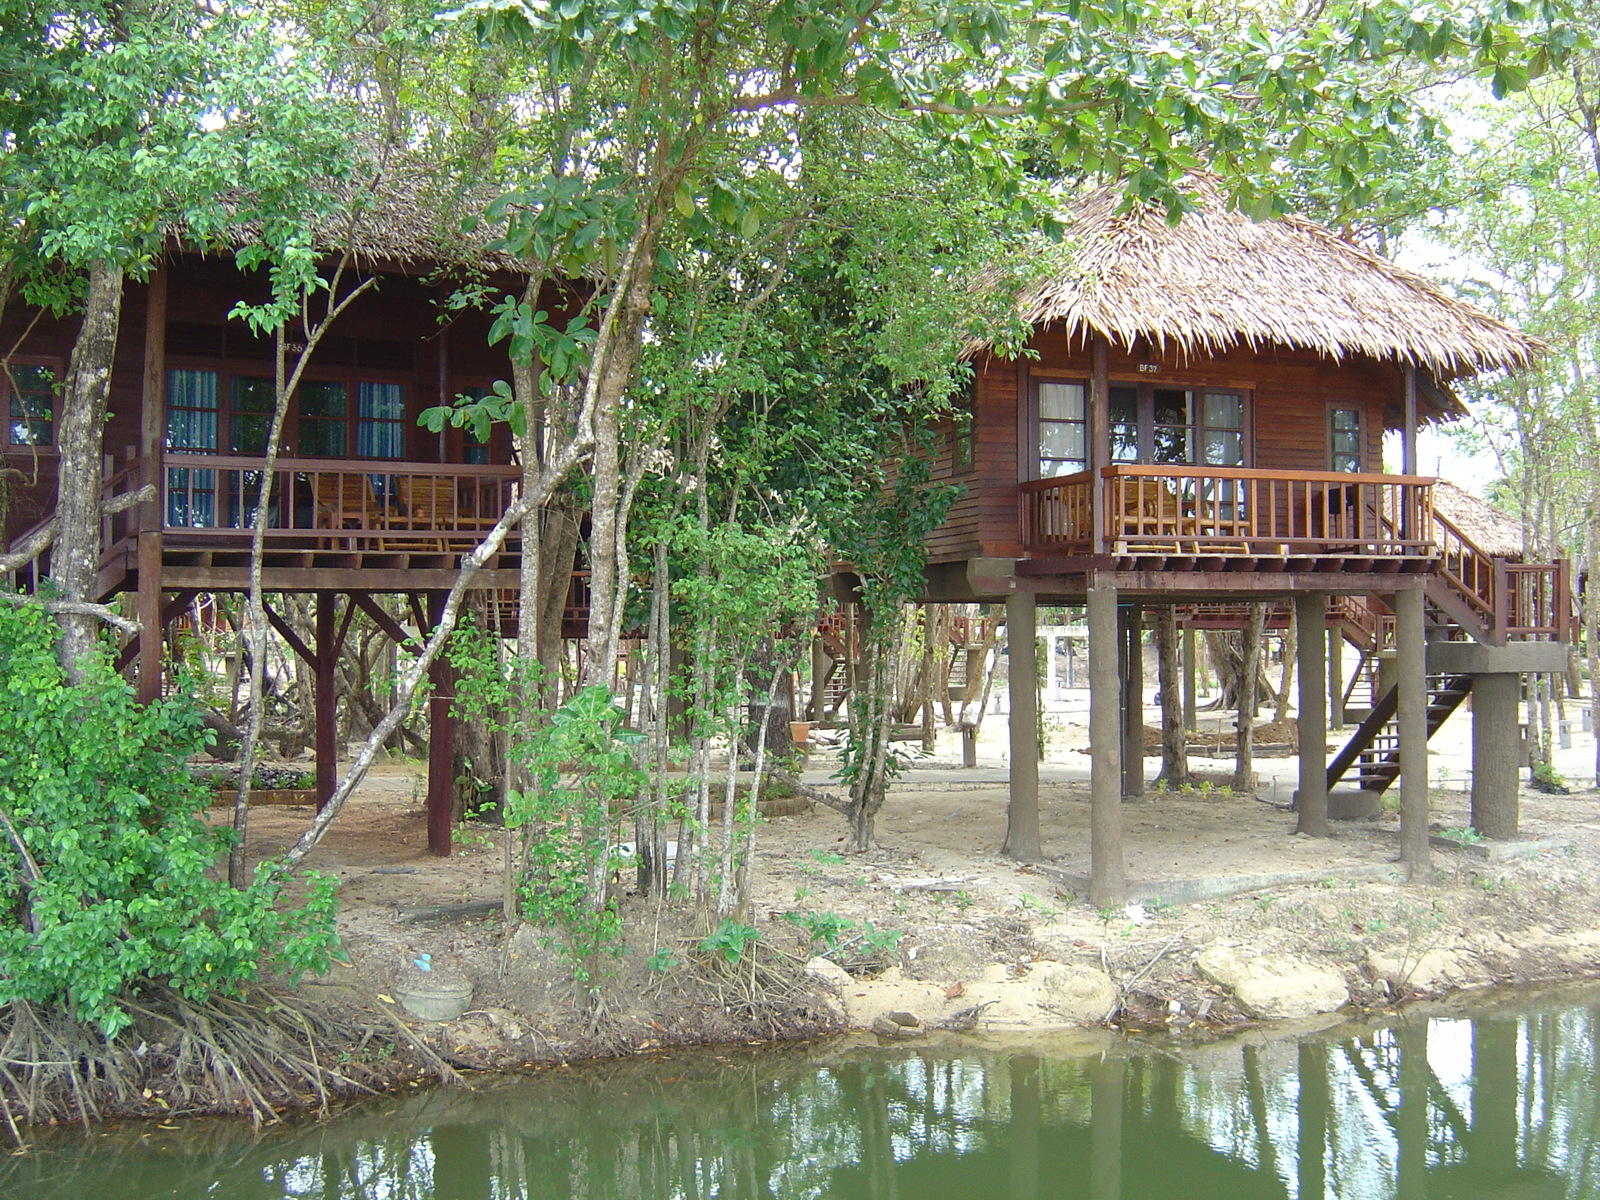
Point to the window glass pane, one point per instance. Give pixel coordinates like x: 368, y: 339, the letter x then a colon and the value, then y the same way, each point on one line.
x: 1346, y: 418
x: 192, y: 412
x: 250, y: 403
x: 1224, y: 448
x: 1061, y: 402
x: 1050, y: 468
x: 380, y: 430
x: 1061, y: 439
x: 1124, y: 408
x: 322, y: 419
x: 32, y: 405
x: 382, y: 400
x: 322, y: 399
x: 1224, y: 410
x: 1172, y: 407
x: 320, y: 438
x: 191, y: 497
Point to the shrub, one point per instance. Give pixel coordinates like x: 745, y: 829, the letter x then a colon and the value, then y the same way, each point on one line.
x: 106, y: 869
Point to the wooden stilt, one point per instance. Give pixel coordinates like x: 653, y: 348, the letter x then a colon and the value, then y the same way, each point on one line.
x: 441, y: 746
x: 1190, y: 671
x: 1494, y: 754
x: 325, y: 711
x: 150, y: 622
x: 152, y: 429
x: 1310, y: 611
x: 1022, y: 672
x: 1132, y: 630
x: 1412, y: 716
x: 1107, y: 880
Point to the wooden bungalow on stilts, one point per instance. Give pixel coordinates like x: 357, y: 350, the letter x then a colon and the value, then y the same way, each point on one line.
x: 365, y: 502
x: 1199, y: 422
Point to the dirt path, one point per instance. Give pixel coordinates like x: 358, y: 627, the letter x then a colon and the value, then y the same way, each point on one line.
x: 989, y: 944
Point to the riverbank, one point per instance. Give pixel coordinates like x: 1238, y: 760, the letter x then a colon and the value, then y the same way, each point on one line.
x: 1240, y: 921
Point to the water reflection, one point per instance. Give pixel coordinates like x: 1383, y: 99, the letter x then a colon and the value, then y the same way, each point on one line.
x: 1504, y: 1105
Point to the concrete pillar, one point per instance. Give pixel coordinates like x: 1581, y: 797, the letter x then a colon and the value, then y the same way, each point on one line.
x: 1129, y: 622
x: 1022, y: 683
x: 1495, y: 746
x: 1335, y: 679
x: 1312, y: 796
x: 1107, y: 879
x: 1190, y: 671
x: 1412, y: 717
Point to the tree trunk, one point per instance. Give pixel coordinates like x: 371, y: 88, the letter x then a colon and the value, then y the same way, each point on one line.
x: 1174, y: 737
x: 1244, y: 725
x: 1291, y: 647
x: 75, y: 560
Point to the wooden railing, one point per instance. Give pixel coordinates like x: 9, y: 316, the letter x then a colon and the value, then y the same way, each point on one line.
x: 1506, y: 600
x: 1058, y: 514
x: 372, y: 505
x: 1230, y: 511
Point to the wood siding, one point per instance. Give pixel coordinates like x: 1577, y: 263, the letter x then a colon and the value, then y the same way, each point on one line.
x: 391, y: 334
x: 1288, y: 394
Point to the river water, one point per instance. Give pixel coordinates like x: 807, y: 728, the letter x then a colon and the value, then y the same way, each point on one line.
x: 1502, y: 1101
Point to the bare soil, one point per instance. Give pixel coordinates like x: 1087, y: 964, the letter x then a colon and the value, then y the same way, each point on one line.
x: 970, y: 923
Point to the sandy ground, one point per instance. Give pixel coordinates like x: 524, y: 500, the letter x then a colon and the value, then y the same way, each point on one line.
x: 976, y: 930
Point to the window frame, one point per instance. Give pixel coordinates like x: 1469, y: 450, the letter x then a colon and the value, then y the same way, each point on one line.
x: 1145, y: 423
x: 351, y: 379
x: 1332, y: 454
x: 43, y: 362
x: 1033, y: 459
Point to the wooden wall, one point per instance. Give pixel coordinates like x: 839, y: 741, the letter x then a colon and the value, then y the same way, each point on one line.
x: 1289, y: 393
x: 392, y: 333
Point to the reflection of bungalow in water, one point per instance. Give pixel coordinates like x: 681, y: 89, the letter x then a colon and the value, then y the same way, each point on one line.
x: 365, y: 502
x: 1199, y: 423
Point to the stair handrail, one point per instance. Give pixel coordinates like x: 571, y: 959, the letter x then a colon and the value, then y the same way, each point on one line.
x: 1388, y: 704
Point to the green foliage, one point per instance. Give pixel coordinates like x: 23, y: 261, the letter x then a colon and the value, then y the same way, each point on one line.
x: 113, y: 881
x: 1462, y: 835
x: 579, y: 765
x: 729, y: 940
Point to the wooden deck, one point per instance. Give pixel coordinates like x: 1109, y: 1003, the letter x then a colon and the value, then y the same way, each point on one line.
x: 1213, y: 531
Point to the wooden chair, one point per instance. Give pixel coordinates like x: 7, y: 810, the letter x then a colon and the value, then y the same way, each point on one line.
x: 1151, y: 508
x: 428, y: 506
x: 345, y: 501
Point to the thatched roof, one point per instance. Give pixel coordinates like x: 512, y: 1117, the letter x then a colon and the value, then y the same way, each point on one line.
x: 1492, y: 531
x: 397, y: 213
x: 1219, y: 279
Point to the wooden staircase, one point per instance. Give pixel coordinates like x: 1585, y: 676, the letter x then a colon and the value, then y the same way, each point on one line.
x: 1373, y: 751
x: 1473, y: 596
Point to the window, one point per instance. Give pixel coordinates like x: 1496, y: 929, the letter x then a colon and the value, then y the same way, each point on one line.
x: 1222, y: 428
x: 191, y: 429
x: 31, y: 400
x: 1124, y: 424
x: 1063, y: 444
x: 251, y: 401
x: 380, y: 420
x: 1344, y: 438
x: 324, y: 409
x: 1177, y: 426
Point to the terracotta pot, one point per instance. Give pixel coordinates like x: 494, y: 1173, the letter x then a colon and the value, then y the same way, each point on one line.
x: 799, y: 732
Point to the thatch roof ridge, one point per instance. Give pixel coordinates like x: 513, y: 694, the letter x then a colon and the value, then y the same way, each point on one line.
x: 1492, y: 531
x: 1218, y: 279
x: 394, y: 210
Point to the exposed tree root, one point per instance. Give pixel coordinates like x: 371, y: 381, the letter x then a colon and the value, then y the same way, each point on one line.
x: 257, y: 1053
